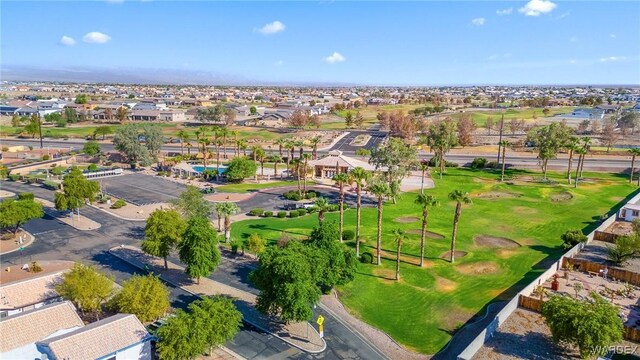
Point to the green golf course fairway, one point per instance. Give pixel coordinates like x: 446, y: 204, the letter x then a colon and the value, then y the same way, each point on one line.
x: 424, y: 308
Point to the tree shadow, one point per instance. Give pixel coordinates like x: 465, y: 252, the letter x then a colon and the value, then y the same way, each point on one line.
x: 519, y: 346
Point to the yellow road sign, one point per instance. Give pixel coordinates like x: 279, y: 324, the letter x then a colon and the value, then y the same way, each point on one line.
x: 320, y: 320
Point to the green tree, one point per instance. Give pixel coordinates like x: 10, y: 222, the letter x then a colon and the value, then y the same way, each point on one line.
x: 424, y: 201
x: 183, y: 136
x: 256, y: 244
x: 548, y: 140
x: 322, y: 205
x: 592, y: 326
x: 359, y: 176
x: 199, y: 248
x: 144, y: 296
x: 81, y: 99
x: 102, y: 130
x: 181, y: 337
x: 624, y: 248
x: 16, y: 213
x: 71, y: 115
x: 140, y: 143
x: 287, y: 284
x: 163, y: 233
x: 441, y: 138
x: 572, y: 237
x: 240, y: 168
x: 341, y: 179
x: 86, y: 287
x: 399, y: 236
x: 396, y: 156
x: 340, y: 262
x: 459, y: 197
x: 348, y: 119
x: 91, y: 148
x: 380, y: 190
x: 253, y: 110
x: 122, y: 114
x: 191, y: 203
x: 76, y: 191
x: 217, y: 318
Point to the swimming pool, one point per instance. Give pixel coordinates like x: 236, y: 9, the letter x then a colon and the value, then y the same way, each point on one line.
x: 200, y: 168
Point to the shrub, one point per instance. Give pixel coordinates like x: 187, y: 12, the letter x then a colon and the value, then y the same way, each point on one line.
x: 348, y: 235
x: 26, y: 196
x: 312, y: 195
x: 292, y: 195
x: 235, y: 245
x: 312, y: 209
x: 268, y: 214
x: 366, y: 258
x: 293, y: 214
x: 256, y: 212
x: 573, y: 237
x: 45, y: 157
x: 32, y: 179
x: 282, y: 214
x: 118, y: 204
x: 14, y: 177
x: 57, y: 170
x: 625, y: 248
x: 92, y: 167
x: 432, y: 163
x: 333, y: 207
x: 50, y: 185
x: 35, y: 267
x: 478, y: 163
x: 493, y: 165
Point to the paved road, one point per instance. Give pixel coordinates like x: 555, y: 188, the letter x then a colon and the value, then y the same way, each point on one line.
x: 58, y: 241
x: 344, y: 144
x: 600, y: 163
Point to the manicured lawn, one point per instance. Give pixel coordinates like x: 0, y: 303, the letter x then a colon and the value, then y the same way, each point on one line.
x: 480, y: 117
x: 241, y: 188
x: 423, y: 309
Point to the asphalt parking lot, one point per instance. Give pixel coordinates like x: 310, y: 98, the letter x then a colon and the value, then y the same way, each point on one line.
x: 140, y: 189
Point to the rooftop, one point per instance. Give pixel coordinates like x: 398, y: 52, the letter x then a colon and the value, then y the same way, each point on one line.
x: 18, y: 294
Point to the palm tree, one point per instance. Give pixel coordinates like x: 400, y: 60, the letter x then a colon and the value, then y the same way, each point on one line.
x: 297, y: 166
x: 424, y: 201
x: 571, y: 145
x: 184, y: 137
x: 290, y: 147
x: 380, y: 189
x: 227, y: 209
x: 236, y: 151
x: 314, y: 143
x: 359, y: 176
x: 281, y: 142
x: 122, y: 113
x: 634, y: 152
x: 341, y: 179
x: 424, y: 166
x: 322, y: 204
x: 218, y: 207
x: 503, y: 144
x: 300, y: 144
x: 400, y: 237
x: 581, y: 153
x: 243, y: 146
x: 459, y: 197
x: 198, y: 133
x: 275, y: 159
x: 224, y: 132
x: 261, y: 156
x: 254, y: 153
x: 305, y: 169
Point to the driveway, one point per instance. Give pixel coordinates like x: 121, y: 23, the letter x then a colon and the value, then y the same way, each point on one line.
x: 140, y: 189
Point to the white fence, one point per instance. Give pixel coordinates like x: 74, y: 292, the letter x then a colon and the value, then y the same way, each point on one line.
x: 103, y: 173
x: 502, y: 316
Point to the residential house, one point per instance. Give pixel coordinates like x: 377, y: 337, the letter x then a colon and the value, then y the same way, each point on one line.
x: 19, y: 296
x: 585, y: 113
x: 21, y: 332
x: 8, y: 110
x: 144, y: 115
x: 630, y: 211
x: 609, y: 109
x: 335, y: 162
x: 172, y: 115
x: 118, y: 337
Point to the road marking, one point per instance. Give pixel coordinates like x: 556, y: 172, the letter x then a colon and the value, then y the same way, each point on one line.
x: 284, y: 355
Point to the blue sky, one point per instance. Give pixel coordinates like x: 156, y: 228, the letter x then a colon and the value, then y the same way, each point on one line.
x: 386, y: 43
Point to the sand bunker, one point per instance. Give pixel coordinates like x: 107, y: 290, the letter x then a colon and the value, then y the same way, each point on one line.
x: 457, y: 254
x: 406, y: 219
x: 495, y: 242
x: 498, y: 195
x: 430, y: 235
x: 478, y: 268
x: 385, y: 274
x: 445, y: 285
x: 561, y: 196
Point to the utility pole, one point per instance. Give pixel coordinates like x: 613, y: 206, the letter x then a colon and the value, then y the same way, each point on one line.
x: 40, y: 130
x: 500, y: 138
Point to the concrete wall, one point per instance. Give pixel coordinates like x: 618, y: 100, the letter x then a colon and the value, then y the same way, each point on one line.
x: 502, y: 316
x: 24, y: 170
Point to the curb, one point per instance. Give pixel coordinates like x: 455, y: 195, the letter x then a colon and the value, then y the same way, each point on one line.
x: 231, y: 352
x: 31, y: 240
x: 115, y: 215
x: 335, y: 141
x: 324, y: 347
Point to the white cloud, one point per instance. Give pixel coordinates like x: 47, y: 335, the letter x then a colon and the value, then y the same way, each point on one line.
x: 499, y: 56
x: 67, y: 41
x: 334, y: 58
x: 504, y: 11
x: 613, y: 36
x: 564, y: 15
x: 95, y: 37
x: 537, y: 7
x: 272, y: 28
x: 279, y: 63
x: 115, y: 1
x: 478, y: 21
x: 613, y: 58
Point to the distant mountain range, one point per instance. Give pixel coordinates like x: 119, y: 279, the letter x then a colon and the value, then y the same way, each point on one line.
x: 77, y: 74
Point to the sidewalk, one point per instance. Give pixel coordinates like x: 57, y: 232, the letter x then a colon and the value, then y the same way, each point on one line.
x: 11, y: 245
x: 81, y: 222
x: 301, y: 335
